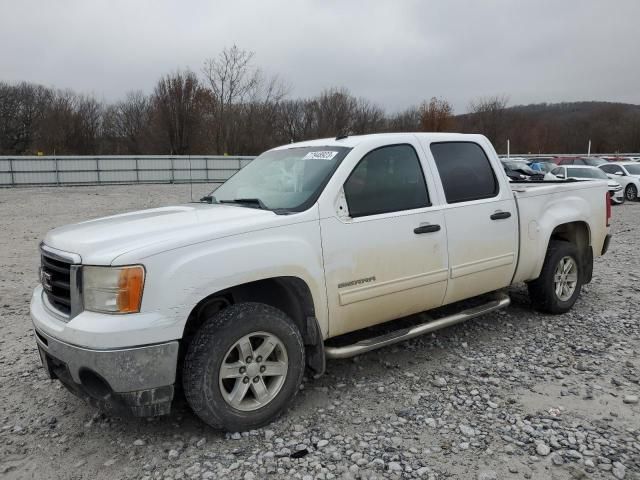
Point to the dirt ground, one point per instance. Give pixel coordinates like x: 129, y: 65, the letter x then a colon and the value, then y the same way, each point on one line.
x: 514, y: 394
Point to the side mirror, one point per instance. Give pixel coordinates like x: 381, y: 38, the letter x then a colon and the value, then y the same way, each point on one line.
x: 619, y: 174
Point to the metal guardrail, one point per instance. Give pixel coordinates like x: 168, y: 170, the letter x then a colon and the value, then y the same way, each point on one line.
x: 127, y: 169
x: 117, y: 169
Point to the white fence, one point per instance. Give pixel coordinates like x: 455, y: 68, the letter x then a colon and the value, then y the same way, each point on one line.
x: 110, y: 169
x: 97, y: 170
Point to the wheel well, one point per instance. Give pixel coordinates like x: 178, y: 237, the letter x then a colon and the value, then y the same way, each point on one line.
x: 289, y: 294
x: 579, y: 234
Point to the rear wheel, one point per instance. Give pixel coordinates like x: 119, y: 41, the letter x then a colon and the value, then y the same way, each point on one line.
x: 631, y: 192
x: 558, y: 286
x: 243, y: 367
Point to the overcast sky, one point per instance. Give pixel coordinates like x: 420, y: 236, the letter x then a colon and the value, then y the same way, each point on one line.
x: 395, y: 53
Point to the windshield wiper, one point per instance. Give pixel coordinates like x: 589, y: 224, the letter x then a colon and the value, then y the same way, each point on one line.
x: 255, y: 202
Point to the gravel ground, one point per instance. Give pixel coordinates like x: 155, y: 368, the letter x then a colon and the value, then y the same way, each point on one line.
x: 514, y: 394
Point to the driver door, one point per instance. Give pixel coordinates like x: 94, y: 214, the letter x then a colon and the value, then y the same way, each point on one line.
x: 387, y: 256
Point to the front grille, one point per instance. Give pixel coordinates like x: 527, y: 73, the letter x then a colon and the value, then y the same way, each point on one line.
x: 56, y: 280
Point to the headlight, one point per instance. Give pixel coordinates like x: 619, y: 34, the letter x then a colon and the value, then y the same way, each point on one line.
x: 113, y: 289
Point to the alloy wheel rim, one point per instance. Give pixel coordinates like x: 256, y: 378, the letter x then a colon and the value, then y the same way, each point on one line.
x: 631, y: 193
x: 565, y: 278
x: 253, y: 371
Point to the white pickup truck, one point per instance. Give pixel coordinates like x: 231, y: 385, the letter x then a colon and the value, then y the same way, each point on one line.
x: 233, y: 297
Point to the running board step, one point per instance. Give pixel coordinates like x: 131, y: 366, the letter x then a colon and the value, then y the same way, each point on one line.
x: 501, y: 301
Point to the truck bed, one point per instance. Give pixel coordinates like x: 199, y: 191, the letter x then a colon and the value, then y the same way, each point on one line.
x: 544, y: 204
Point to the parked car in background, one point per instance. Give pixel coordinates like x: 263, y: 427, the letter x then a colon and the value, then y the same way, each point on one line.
x: 627, y: 174
x: 588, y: 161
x: 585, y: 172
x: 520, y: 170
x: 540, y: 159
x: 544, y: 166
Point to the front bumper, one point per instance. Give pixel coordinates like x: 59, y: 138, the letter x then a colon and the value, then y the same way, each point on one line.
x: 617, y: 196
x: 137, y: 381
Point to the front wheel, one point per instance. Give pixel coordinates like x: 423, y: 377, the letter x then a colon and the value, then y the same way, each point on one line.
x: 243, y: 367
x: 631, y: 192
x: 560, y: 281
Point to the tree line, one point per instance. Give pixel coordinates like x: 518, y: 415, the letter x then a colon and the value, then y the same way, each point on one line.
x: 233, y: 107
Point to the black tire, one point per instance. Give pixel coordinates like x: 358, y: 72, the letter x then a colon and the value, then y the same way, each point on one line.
x: 208, y: 350
x: 542, y: 290
x: 631, y: 192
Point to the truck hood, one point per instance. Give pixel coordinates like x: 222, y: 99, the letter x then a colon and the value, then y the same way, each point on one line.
x: 101, y: 241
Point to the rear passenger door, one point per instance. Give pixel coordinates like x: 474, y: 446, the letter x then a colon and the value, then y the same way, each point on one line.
x: 481, y: 219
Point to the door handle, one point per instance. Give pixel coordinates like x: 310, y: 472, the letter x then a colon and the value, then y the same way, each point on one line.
x: 500, y: 215
x: 426, y: 229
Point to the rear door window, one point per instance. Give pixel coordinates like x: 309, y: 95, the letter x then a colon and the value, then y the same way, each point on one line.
x: 465, y: 171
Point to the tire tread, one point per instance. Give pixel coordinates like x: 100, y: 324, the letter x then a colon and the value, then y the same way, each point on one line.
x: 195, y: 363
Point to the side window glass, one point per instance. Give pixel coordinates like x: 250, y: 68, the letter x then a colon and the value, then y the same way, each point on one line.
x: 388, y: 179
x: 465, y: 171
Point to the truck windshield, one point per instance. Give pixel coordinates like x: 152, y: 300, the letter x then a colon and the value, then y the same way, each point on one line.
x: 586, y: 173
x: 289, y: 179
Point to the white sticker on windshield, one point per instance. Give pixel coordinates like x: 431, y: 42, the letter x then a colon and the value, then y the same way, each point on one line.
x: 326, y: 155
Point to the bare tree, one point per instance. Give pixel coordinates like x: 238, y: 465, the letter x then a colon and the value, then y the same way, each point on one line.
x: 243, y: 102
x: 232, y: 80
x: 22, y: 107
x: 127, y: 122
x: 57, y: 124
x: 488, y: 114
x: 367, y: 117
x: 405, y: 121
x: 177, y: 101
x: 85, y: 126
x: 333, y: 112
x: 436, y: 115
x: 294, y: 121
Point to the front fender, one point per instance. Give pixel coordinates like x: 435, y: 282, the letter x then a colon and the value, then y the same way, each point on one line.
x: 177, y: 280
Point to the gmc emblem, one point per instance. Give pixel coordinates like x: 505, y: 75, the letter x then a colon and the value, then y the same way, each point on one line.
x: 45, y: 279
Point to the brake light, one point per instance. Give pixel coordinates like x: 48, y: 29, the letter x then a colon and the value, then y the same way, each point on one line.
x: 607, y: 199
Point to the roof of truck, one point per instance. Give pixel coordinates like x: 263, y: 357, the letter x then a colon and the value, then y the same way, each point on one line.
x: 354, y: 140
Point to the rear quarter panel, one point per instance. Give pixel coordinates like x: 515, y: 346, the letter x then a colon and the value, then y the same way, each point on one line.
x: 542, y: 208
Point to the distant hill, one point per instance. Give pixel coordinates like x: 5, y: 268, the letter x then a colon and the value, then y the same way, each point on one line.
x: 559, y: 127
